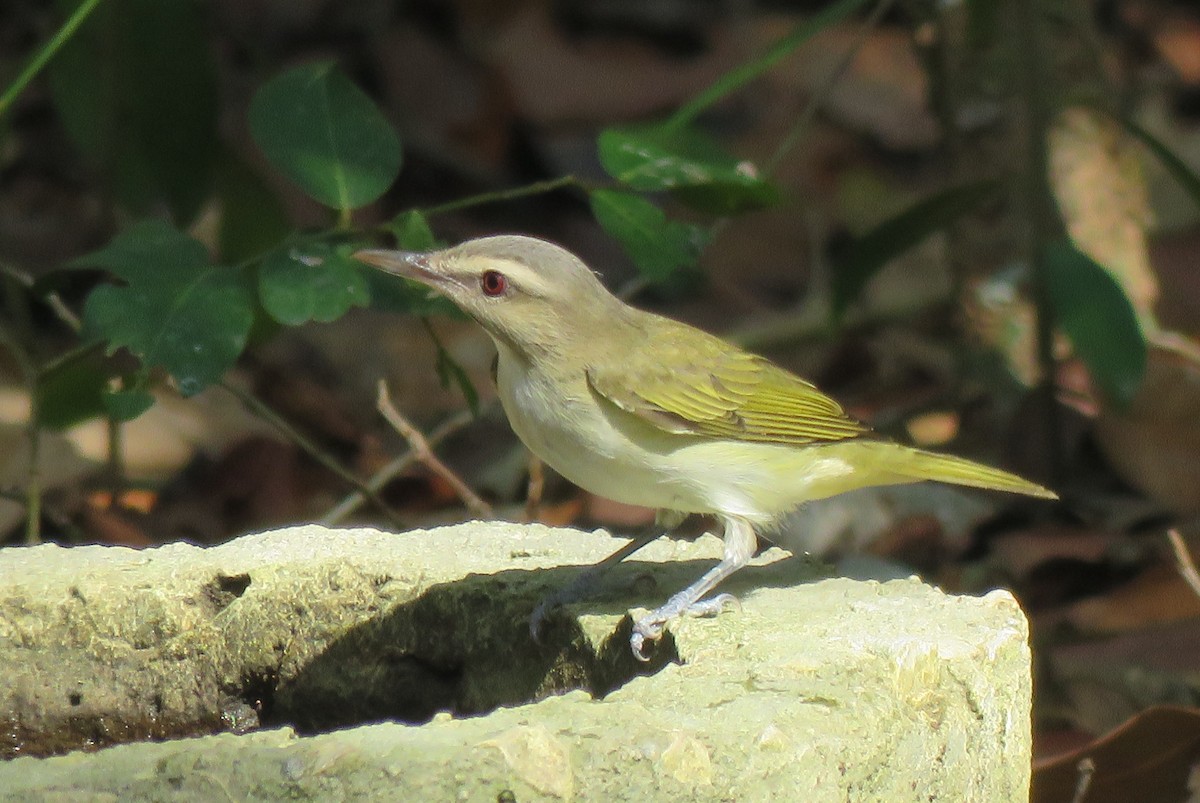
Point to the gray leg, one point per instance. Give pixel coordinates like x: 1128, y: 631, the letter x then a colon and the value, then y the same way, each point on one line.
x: 740, y: 543
x: 582, y: 584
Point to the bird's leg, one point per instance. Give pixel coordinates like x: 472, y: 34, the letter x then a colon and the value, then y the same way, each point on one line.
x: 664, y: 522
x: 740, y: 543
x: 583, y: 582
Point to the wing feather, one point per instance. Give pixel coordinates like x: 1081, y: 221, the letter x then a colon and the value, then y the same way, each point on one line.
x: 735, y: 396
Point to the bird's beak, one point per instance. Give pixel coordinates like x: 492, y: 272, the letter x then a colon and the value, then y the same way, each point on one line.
x: 409, y: 264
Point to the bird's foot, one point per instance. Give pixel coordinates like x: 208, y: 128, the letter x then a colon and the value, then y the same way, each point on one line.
x: 651, y: 626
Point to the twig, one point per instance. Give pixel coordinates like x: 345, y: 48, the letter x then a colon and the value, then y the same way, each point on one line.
x: 423, y: 452
x: 259, y: 408
x: 53, y: 300
x: 394, y: 468
x: 1183, y: 556
x: 1086, y: 769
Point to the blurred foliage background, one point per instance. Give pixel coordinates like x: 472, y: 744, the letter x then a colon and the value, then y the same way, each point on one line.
x: 974, y: 222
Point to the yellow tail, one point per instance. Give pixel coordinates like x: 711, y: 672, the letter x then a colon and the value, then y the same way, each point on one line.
x: 922, y: 465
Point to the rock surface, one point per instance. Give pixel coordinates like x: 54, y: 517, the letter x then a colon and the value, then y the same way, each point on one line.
x: 825, y: 690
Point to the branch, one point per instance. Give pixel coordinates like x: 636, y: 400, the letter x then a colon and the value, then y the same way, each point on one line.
x: 1187, y: 567
x: 423, y: 453
x: 259, y: 408
x: 394, y: 468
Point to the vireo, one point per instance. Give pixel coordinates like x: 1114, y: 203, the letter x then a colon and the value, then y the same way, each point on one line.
x: 649, y: 411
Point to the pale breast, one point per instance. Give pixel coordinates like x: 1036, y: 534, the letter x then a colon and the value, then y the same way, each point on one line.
x: 563, y: 424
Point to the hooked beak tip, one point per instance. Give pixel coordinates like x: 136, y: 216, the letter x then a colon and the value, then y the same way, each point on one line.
x: 411, y: 264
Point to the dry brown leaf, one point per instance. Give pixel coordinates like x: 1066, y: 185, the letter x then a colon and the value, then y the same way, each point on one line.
x: 557, y: 80
x: 1158, y: 595
x: 1177, y: 40
x: 1097, y: 181
x: 561, y: 514
x: 935, y: 428
x: 1155, y: 444
x: 884, y: 93
x: 1149, y: 757
x: 1019, y: 552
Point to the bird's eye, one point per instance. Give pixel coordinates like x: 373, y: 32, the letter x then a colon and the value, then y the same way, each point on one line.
x: 493, y: 283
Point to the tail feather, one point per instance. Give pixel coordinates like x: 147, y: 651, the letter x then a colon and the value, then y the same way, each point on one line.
x: 922, y: 465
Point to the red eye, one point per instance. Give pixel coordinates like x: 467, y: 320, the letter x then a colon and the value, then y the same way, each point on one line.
x: 493, y: 283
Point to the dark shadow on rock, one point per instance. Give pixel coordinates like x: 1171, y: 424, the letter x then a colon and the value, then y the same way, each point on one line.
x: 461, y: 647
x: 465, y: 648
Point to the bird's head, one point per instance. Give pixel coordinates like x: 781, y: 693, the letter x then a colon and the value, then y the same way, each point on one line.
x: 532, y: 295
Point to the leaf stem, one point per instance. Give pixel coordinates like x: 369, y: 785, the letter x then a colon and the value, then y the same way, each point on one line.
x: 46, y: 52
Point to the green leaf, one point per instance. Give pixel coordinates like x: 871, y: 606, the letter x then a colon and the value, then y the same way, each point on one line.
x: 174, y: 310
x: 325, y: 134
x: 136, y: 89
x: 1187, y: 178
x: 657, y: 245
x: 396, y: 294
x: 745, y: 73
x: 126, y: 405
x: 72, y: 392
x: 659, y: 157
x: 253, y: 221
x: 450, y: 372
x: 983, y: 25
x: 871, y: 251
x: 310, y: 283
x: 1091, y: 308
x: 412, y: 232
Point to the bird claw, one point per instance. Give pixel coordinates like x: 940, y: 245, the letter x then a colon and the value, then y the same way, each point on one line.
x: 712, y: 607
x: 645, y: 629
x: 651, y: 626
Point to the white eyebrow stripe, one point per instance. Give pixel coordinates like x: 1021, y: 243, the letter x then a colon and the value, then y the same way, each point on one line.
x: 520, y: 274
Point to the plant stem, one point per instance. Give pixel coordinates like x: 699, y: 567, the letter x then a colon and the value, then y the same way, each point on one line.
x: 46, y: 52
x: 536, y: 188
x: 259, y: 408
x: 745, y: 73
x: 804, y: 121
x: 1041, y: 213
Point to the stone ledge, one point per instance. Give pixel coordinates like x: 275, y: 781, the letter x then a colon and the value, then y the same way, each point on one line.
x: 815, y: 691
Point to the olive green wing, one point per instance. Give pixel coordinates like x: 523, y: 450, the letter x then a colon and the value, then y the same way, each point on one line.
x: 734, y: 395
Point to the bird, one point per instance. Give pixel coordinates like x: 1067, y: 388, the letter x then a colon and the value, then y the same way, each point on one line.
x: 646, y: 410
